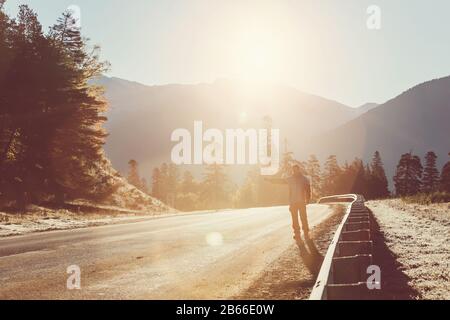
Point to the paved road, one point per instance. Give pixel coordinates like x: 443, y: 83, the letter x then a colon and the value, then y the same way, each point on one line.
x: 195, y: 256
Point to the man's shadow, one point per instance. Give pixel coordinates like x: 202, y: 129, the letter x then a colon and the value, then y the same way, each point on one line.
x: 311, y: 257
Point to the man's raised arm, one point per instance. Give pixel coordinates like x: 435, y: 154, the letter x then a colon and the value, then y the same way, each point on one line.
x: 276, y: 180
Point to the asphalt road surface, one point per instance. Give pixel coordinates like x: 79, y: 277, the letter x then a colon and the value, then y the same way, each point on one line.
x: 195, y: 256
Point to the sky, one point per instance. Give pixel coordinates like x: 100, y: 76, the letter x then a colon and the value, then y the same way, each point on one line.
x: 320, y: 47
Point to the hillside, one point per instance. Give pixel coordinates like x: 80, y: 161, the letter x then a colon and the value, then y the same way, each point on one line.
x: 417, y: 120
x: 142, y: 118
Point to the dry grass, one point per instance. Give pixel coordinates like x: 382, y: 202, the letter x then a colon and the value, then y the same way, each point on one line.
x: 428, y: 198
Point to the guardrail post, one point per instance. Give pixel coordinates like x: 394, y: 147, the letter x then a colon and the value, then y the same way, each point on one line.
x: 358, y: 235
x: 352, y: 248
x: 350, y: 269
x: 354, y: 291
x: 355, y: 226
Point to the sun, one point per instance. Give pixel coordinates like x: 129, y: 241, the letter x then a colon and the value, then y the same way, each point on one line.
x: 243, y: 117
x: 259, y: 55
x: 258, y: 58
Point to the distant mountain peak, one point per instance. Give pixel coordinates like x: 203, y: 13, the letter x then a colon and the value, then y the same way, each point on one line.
x: 366, y: 107
x: 115, y: 82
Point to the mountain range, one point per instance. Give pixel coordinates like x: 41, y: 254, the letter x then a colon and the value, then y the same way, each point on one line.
x: 417, y: 120
x: 141, y: 119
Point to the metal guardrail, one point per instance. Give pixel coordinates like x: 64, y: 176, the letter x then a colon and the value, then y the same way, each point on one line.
x: 343, y: 274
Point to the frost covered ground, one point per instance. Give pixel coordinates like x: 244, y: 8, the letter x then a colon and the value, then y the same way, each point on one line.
x: 419, y: 238
x: 39, y: 219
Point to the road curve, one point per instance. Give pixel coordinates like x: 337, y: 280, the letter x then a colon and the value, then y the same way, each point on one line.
x: 197, y: 256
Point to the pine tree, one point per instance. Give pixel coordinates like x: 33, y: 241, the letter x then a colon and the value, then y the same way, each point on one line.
x: 144, y: 185
x: 430, y: 181
x: 343, y: 182
x: 133, y: 174
x: 164, y: 177
x: 408, y: 175
x: 368, y: 179
x: 358, y: 177
x: 188, y: 184
x: 51, y: 138
x: 330, y: 176
x: 214, y: 190
x: 444, y: 182
x: 78, y: 136
x: 313, y: 169
x: 187, y: 198
x: 6, y: 125
x: 172, y: 184
x: 352, y: 178
x: 22, y: 157
x: 379, y: 186
x: 157, y: 184
x: 6, y: 53
x: 245, y: 195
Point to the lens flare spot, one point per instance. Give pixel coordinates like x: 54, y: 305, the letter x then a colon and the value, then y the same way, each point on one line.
x: 243, y: 117
x: 214, y: 239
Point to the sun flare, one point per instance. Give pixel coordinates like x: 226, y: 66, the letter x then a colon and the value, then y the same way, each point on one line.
x: 259, y: 54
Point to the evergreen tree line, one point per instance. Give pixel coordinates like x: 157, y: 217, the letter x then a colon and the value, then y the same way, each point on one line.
x: 356, y: 177
x: 412, y: 177
x: 51, y: 135
x: 214, y: 190
x: 181, y: 190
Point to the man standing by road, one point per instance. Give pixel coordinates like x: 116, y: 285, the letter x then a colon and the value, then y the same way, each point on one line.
x: 299, y: 197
